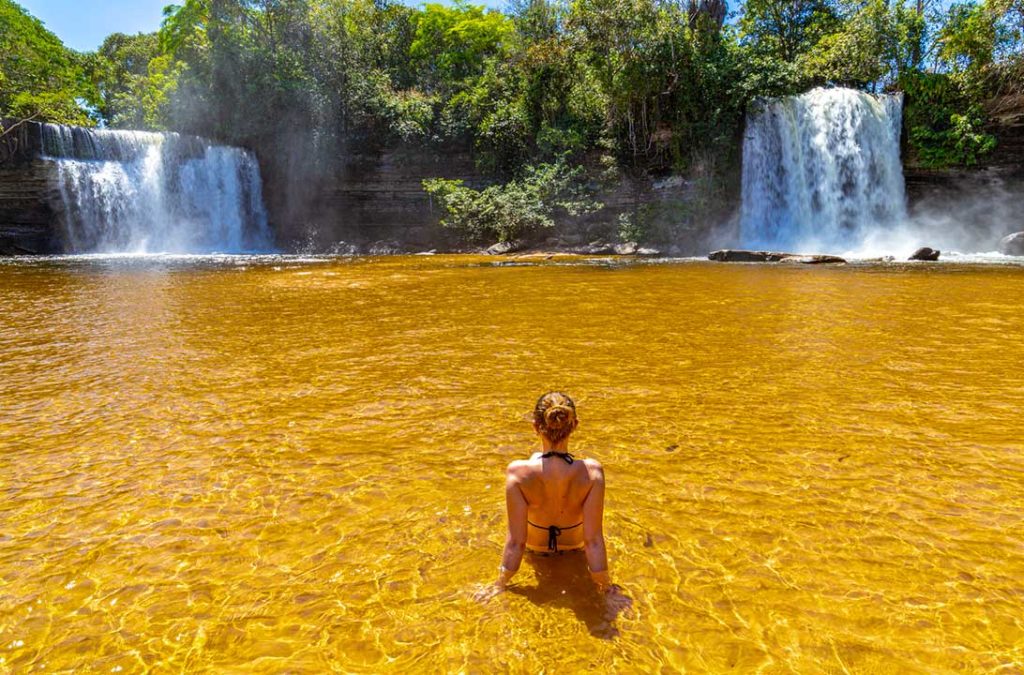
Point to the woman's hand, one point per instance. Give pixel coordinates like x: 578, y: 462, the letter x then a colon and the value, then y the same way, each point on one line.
x: 616, y: 602
x: 487, y: 592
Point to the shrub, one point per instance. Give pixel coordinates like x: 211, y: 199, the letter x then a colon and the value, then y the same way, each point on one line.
x: 511, y: 210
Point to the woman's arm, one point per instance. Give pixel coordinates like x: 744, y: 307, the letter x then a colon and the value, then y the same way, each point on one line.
x: 515, y: 542
x: 593, y: 532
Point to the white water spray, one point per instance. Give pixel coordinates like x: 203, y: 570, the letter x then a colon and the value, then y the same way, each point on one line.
x: 822, y: 171
x: 141, y: 192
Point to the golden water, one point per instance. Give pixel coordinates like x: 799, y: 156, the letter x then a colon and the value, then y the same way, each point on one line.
x: 293, y: 466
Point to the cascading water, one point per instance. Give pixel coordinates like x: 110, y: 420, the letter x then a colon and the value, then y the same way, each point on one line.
x: 822, y: 171
x: 137, y: 192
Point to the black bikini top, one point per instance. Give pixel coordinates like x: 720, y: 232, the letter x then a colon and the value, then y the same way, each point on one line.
x: 569, y: 459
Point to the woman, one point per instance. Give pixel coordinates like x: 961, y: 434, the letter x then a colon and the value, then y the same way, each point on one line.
x: 555, y: 502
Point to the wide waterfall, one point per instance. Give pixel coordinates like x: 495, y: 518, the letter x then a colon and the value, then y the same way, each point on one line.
x: 822, y: 171
x: 138, y: 192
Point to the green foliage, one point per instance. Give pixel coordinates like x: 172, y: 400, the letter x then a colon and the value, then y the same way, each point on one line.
x: 787, y: 29
x: 960, y: 142
x: 39, y: 77
x: 135, y: 81
x: 858, y: 52
x: 969, y: 38
x: 453, y: 43
x: 944, y: 127
x: 509, y: 211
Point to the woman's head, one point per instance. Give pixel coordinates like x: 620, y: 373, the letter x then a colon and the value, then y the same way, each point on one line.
x: 554, y: 416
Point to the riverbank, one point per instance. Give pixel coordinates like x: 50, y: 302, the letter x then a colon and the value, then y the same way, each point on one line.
x: 375, y: 204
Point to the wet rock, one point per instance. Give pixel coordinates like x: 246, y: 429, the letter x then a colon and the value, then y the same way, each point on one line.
x: 343, y: 248
x: 504, y: 247
x: 598, y: 247
x: 814, y: 259
x: 626, y: 248
x: 384, y: 248
x: 1012, y: 244
x: 925, y: 253
x: 740, y: 255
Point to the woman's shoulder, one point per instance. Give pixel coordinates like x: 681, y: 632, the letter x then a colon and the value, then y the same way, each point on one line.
x: 594, y: 468
x: 520, y: 467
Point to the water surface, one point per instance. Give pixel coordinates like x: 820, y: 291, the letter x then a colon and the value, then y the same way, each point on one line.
x: 267, y: 465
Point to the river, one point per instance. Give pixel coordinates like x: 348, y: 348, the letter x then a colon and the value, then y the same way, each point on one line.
x: 295, y: 465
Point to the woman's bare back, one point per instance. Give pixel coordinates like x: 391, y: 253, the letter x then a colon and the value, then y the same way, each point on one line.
x: 555, y: 492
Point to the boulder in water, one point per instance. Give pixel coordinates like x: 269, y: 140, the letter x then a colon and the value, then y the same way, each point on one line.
x: 1012, y: 244
x: 925, y: 253
x: 739, y: 255
x: 503, y: 247
x: 598, y: 247
x: 814, y: 259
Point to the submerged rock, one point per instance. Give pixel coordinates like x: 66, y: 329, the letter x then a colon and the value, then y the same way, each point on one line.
x: 925, y: 253
x: 1012, y: 244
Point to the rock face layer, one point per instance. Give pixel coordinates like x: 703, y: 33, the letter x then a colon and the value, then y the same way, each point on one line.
x: 29, y: 197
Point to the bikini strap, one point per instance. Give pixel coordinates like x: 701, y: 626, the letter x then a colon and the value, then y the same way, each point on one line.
x: 553, y: 532
x: 564, y: 455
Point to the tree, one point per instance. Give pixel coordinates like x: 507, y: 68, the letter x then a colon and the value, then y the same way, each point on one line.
x: 787, y: 29
x: 40, y: 78
x: 133, y: 80
x: 454, y: 43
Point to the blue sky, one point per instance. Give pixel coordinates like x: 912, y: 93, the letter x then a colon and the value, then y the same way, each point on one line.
x: 82, y: 24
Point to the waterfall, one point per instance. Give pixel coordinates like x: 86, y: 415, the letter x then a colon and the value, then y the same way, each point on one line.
x: 822, y: 171
x: 138, y: 192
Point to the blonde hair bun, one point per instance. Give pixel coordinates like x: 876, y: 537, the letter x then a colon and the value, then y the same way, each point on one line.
x: 555, y: 415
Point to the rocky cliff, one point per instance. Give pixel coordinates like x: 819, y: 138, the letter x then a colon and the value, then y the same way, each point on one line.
x: 984, y: 197
x: 365, y: 202
x: 29, y: 200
